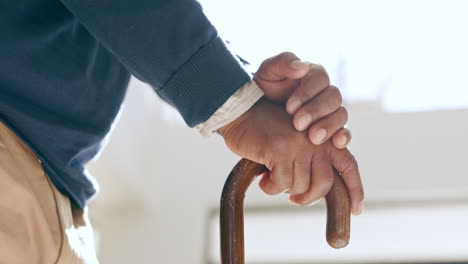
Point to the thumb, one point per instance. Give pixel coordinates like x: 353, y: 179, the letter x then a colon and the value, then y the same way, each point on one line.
x: 285, y: 65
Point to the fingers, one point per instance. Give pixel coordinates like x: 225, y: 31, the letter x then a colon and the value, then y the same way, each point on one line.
x: 341, y: 138
x: 294, y: 178
x: 301, y: 179
x: 327, y: 102
x: 325, y: 118
x: 316, y: 105
x: 315, y: 81
x: 327, y: 127
x: 285, y: 65
x: 278, y: 180
x: 320, y: 185
x: 279, y: 76
x: 346, y: 164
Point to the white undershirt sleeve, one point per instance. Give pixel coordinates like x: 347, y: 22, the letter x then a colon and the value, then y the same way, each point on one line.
x: 235, y: 106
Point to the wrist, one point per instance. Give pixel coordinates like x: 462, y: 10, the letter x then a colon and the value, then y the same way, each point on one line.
x: 239, y: 103
x: 229, y: 128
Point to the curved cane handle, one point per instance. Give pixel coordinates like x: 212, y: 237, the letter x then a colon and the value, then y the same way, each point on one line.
x: 232, y: 211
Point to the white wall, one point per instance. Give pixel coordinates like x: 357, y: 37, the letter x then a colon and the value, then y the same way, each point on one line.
x: 159, y: 179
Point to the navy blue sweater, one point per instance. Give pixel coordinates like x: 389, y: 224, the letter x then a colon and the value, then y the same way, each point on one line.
x: 65, y: 66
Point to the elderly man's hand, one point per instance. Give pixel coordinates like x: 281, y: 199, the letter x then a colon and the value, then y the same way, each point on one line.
x: 315, y: 104
x: 265, y: 134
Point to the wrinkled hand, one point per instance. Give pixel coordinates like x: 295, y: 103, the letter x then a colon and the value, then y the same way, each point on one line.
x: 314, y: 103
x: 265, y: 134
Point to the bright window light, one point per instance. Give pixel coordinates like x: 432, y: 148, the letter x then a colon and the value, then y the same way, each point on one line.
x: 406, y: 55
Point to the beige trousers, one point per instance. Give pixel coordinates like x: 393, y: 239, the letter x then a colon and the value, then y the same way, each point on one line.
x: 38, y: 224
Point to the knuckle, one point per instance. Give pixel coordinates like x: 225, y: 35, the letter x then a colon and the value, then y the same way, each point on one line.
x: 345, y: 111
x: 318, y: 68
x: 344, y: 131
x: 271, y: 186
x: 283, y: 57
x: 315, y: 84
x: 322, y: 69
x: 269, y: 191
x: 264, y: 66
x: 353, y: 162
x: 264, y: 188
x: 360, y: 194
x: 266, y: 62
x: 336, y: 94
x: 263, y: 184
x: 319, y: 72
x: 286, y: 54
x: 350, y: 164
x: 344, y: 114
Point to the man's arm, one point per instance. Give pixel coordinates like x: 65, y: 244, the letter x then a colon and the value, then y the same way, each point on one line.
x: 172, y: 46
x: 169, y: 44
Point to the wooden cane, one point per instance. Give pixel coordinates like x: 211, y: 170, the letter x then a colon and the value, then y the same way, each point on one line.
x: 232, y: 211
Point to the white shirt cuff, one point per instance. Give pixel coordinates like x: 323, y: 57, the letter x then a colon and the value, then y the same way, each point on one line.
x: 235, y: 106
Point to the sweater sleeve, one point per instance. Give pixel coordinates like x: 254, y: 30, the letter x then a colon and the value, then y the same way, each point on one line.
x: 169, y: 44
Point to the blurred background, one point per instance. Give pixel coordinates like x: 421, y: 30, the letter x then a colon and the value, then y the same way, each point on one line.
x: 401, y: 66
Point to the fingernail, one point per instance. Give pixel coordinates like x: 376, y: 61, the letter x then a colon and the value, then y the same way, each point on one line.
x: 314, y: 202
x: 292, y: 202
x: 293, y: 104
x: 320, y: 135
x: 304, y: 121
x: 342, y: 141
x: 298, y: 64
x: 360, y: 208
